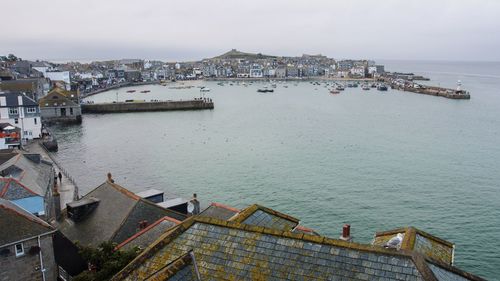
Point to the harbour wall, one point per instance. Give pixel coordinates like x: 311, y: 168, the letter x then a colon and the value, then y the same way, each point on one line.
x: 117, y: 86
x: 142, y: 106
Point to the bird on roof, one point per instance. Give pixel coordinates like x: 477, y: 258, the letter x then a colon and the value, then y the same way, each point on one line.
x: 395, y: 242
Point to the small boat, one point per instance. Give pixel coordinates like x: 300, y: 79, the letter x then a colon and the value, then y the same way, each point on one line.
x: 285, y: 86
x: 340, y: 87
x: 366, y: 87
x: 204, y: 89
x: 145, y: 91
x: 265, y: 90
x: 334, y: 92
x: 382, y: 87
x: 131, y: 91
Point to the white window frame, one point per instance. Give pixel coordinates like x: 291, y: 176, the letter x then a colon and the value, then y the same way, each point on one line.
x: 20, y: 253
x: 13, y: 110
x: 31, y: 110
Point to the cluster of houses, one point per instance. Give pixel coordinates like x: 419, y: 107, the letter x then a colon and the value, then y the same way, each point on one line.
x: 38, y: 77
x: 175, y: 239
x: 32, y: 93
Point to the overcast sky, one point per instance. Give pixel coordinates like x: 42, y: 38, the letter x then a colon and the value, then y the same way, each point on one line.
x: 195, y: 29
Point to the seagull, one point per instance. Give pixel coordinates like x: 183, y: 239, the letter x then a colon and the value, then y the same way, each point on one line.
x: 395, y: 242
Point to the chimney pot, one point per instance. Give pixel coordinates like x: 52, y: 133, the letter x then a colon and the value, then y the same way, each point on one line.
x: 346, y: 233
x: 110, y: 178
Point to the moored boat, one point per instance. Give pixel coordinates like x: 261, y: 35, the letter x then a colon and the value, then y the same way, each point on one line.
x: 382, y: 87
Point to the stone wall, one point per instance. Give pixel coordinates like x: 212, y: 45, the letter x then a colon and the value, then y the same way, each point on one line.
x: 146, y: 106
x: 27, y: 267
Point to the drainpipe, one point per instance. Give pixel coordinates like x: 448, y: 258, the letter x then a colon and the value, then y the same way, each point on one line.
x: 41, y: 259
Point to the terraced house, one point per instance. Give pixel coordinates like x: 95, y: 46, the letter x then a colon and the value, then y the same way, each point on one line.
x: 22, y: 112
x: 26, y: 251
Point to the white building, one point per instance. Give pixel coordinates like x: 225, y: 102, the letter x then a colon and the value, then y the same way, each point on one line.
x: 358, y: 71
x: 22, y: 112
x: 59, y: 76
x: 256, y: 71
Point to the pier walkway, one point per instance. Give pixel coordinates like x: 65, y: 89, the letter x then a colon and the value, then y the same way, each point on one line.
x: 68, y: 189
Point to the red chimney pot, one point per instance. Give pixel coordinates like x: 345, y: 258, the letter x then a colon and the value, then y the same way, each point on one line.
x: 346, y: 231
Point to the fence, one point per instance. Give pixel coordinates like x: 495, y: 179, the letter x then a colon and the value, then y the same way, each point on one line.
x: 65, y: 173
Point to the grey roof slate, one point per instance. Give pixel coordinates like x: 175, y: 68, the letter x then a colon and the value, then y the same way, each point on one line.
x: 11, y: 189
x: 445, y: 275
x: 11, y: 99
x: 181, y: 269
x: 218, y: 211
x: 115, y: 218
x: 142, y: 211
x: 261, y: 218
x: 37, y: 176
x: 238, y: 253
x: 147, y: 236
x: 17, y: 224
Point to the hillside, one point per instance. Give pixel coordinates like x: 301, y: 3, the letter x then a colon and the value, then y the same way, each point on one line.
x: 235, y: 54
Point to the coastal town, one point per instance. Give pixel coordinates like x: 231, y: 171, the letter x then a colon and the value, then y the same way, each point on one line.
x: 51, y: 231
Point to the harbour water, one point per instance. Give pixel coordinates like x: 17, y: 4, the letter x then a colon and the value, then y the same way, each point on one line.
x: 375, y: 160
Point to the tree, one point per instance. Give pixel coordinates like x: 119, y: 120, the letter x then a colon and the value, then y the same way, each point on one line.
x: 104, y: 261
x: 11, y: 57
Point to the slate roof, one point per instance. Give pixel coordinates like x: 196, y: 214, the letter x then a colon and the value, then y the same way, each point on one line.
x: 36, y: 176
x: 234, y: 251
x: 116, y: 217
x: 12, y: 189
x: 179, y: 269
x: 12, y: 100
x: 262, y: 216
x: 26, y: 224
x: 145, y: 237
x: 421, y: 242
x: 224, y: 212
x: 219, y: 211
x: 6, y: 154
x: 59, y: 96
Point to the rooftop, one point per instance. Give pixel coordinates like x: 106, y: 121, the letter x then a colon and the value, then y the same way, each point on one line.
x: 118, y: 215
x: 26, y: 224
x: 229, y: 250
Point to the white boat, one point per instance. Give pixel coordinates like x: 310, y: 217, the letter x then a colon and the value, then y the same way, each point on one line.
x: 204, y: 89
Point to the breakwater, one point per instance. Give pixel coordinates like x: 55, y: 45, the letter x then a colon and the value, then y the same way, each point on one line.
x: 143, y: 106
x: 117, y: 86
x: 409, y: 86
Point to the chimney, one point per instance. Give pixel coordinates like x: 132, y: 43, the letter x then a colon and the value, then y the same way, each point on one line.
x: 57, y: 202
x: 110, y: 178
x: 196, y: 205
x: 346, y: 233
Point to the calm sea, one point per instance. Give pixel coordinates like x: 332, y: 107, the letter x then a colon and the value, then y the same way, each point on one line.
x: 375, y: 160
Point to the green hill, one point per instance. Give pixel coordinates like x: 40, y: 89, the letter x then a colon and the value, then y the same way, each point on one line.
x: 235, y: 54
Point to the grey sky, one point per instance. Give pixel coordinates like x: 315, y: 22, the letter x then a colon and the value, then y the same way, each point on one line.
x: 191, y: 30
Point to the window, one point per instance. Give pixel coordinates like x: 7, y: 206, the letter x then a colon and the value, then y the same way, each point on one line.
x: 35, y: 120
x: 16, y: 120
x: 13, y: 111
x: 31, y: 110
x: 19, y: 249
x: 71, y: 110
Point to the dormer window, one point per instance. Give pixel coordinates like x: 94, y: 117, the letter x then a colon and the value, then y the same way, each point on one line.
x: 31, y: 110
x: 13, y: 111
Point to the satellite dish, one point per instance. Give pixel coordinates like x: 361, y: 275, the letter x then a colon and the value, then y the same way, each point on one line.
x: 190, y: 207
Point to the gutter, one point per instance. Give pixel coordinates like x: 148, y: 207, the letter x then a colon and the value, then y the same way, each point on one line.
x: 29, y: 238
